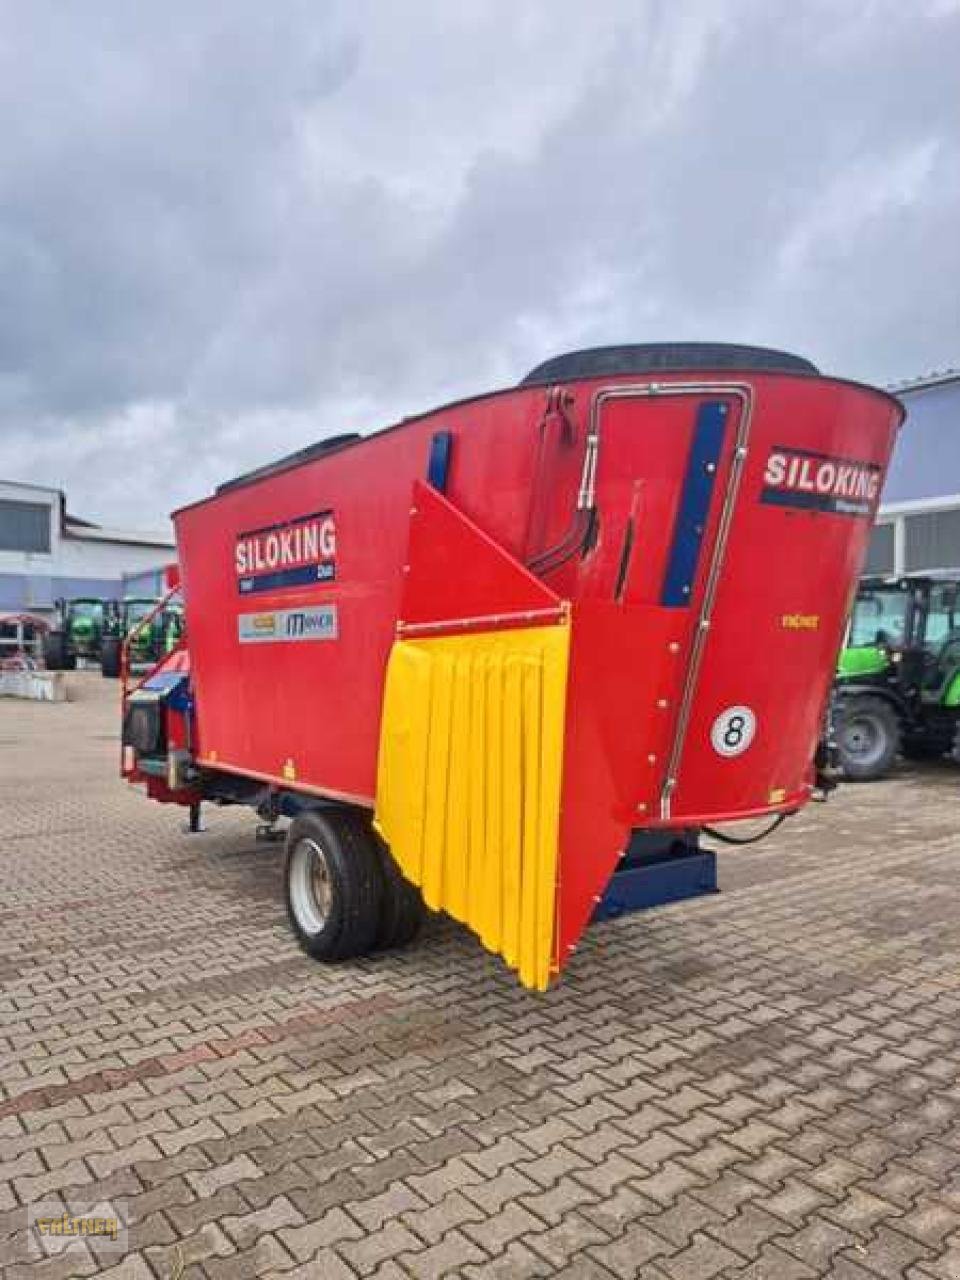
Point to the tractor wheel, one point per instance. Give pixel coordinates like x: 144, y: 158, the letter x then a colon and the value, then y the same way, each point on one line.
x: 955, y: 751
x: 334, y: 884
x: 868, y: 738
x: 110, y: 657
x: 55, y: 656
x: 402, y: 909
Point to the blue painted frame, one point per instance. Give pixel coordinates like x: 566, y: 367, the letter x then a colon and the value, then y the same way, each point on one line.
x: 698, y: 486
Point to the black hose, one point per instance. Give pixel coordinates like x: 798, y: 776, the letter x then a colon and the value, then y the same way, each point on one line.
x: 572, y: 542
x: 714, y: 834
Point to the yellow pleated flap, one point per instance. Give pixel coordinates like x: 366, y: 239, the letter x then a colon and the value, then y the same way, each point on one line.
x: 468, y: 782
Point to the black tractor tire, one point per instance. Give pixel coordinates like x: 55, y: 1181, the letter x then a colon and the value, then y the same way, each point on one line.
x: 55, y: 655
x: 334, y: 884
x: 868, y: 738
x: 955, y: 751
x: 110, y: 657
x: 402, y: 909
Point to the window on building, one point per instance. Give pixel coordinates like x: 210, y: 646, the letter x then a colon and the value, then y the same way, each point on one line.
x: 880, y: 551
x: 933, y: 540
x: 24, y: 526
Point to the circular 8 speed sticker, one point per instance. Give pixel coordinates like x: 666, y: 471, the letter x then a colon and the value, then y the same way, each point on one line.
x: 733, y: 731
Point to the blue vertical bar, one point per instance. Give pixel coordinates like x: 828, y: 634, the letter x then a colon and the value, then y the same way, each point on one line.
x: 438, y: 464
x: 694, y: 510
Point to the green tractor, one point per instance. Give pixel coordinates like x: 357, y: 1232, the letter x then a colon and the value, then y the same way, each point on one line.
x: 77, y: 633
x: 898, y: 681
x: 148, y: 644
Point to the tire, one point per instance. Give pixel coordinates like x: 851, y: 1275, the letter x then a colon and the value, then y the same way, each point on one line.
x: 334, y: 884
x: 955, y: 751
x: 55, y: 657
x: 110, y: 657
x: 868, y: 738
x: 402, y: 910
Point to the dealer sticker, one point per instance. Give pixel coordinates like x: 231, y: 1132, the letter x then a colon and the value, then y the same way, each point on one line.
x: 283, y: 625
x: 733, y: 731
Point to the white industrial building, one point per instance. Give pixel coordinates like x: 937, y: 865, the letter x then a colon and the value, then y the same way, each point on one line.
x: 46, y: 553
x: 918, y: 526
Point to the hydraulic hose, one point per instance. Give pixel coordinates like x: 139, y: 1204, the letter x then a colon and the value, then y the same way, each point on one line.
x: 714, y: 834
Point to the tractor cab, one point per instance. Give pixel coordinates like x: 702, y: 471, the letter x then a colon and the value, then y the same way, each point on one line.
x: 133, y: 612
x: 77, y: 634
x: 150, y: 632
x: 898, y: 680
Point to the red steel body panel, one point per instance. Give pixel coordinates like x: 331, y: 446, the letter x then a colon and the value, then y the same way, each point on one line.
x: 774, y: 628
x: 445, y: 578
x: 260, y: 707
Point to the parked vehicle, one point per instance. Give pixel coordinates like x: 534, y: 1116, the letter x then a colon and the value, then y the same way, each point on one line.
x: 151, y: 632
x: 77, y: 633
x: 898, y: 681
x: 510, y: 657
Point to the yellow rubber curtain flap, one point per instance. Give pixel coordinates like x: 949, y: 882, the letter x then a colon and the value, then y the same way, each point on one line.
x: 468, y: 781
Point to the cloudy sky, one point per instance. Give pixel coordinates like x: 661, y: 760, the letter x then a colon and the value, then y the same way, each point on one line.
x: 230, y: 229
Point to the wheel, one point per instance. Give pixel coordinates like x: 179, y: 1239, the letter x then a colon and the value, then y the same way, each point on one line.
x: 402, y: 909
x: 955, y: 751
x: 334, y: 884
x: 868, y: 738
x: 110, y: 657
x: 55, y: 655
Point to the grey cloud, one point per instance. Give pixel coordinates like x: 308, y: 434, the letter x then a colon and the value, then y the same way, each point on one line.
x: 227, y: 231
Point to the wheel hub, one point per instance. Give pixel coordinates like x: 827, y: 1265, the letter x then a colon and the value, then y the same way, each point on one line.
x: 311, y: 886
x: 860, y: 737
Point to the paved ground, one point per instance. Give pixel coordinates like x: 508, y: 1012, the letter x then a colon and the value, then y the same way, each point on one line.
x: 761, y: 1084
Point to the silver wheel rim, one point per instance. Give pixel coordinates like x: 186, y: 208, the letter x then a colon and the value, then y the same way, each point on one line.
x: 311, y: 886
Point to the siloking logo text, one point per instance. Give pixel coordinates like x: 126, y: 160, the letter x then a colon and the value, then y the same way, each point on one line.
x: 819, y: 482
x: 294, y: 553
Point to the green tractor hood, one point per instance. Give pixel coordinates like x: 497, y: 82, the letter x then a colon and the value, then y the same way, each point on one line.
x: 863, y: 660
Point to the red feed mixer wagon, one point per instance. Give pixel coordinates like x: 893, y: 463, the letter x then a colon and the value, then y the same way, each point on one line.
x: 509, y: 658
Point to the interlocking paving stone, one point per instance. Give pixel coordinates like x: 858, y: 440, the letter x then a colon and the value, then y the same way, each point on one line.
x: 630, y: 1253
x: 761, y: 1084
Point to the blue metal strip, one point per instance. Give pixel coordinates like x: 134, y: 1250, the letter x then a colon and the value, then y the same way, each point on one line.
x: 438, y: 465
x: 694, y: 510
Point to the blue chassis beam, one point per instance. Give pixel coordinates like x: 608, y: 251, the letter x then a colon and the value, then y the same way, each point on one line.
x: 655, y: 870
